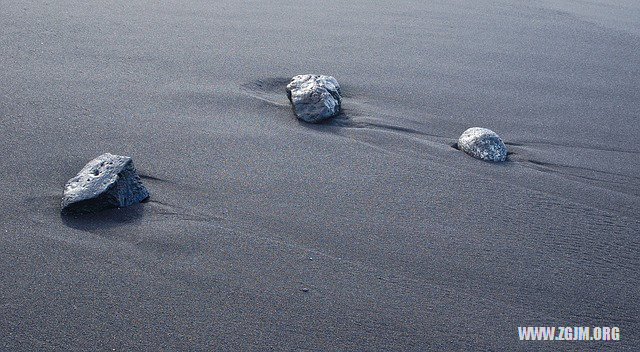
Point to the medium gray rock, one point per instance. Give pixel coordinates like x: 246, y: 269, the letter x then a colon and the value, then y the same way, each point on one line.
x: 314, y: 97
x: 108, y: 181
x: 483, y: 144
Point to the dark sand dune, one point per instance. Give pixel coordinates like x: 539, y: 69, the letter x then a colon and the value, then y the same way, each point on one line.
x: 369, y: 232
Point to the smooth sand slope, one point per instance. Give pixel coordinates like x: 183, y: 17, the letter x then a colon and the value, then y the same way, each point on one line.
x: 368, y: 232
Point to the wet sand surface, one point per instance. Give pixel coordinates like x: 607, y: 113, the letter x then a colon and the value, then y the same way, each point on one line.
x: 367, y: 232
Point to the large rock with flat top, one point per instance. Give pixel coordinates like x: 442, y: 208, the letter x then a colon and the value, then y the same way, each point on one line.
x: 108, y: 181
x: 314, y: 97
x: 483, y: 144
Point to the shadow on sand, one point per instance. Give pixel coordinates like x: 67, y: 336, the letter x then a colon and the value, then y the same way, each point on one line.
x: 105, y: 219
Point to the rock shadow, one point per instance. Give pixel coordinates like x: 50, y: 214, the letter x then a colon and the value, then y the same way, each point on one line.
x: 104, y: 219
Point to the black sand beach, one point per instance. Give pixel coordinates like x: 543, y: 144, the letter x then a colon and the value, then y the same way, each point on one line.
x: 369, y: 232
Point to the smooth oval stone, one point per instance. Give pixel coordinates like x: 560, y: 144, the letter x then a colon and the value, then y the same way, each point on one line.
x: 483, y: 144
x: 314, y: 97
x: 108, y: 181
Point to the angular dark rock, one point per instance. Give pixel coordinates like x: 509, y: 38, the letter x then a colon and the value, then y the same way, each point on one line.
x: 314, y: 97
x: 108, y: 181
